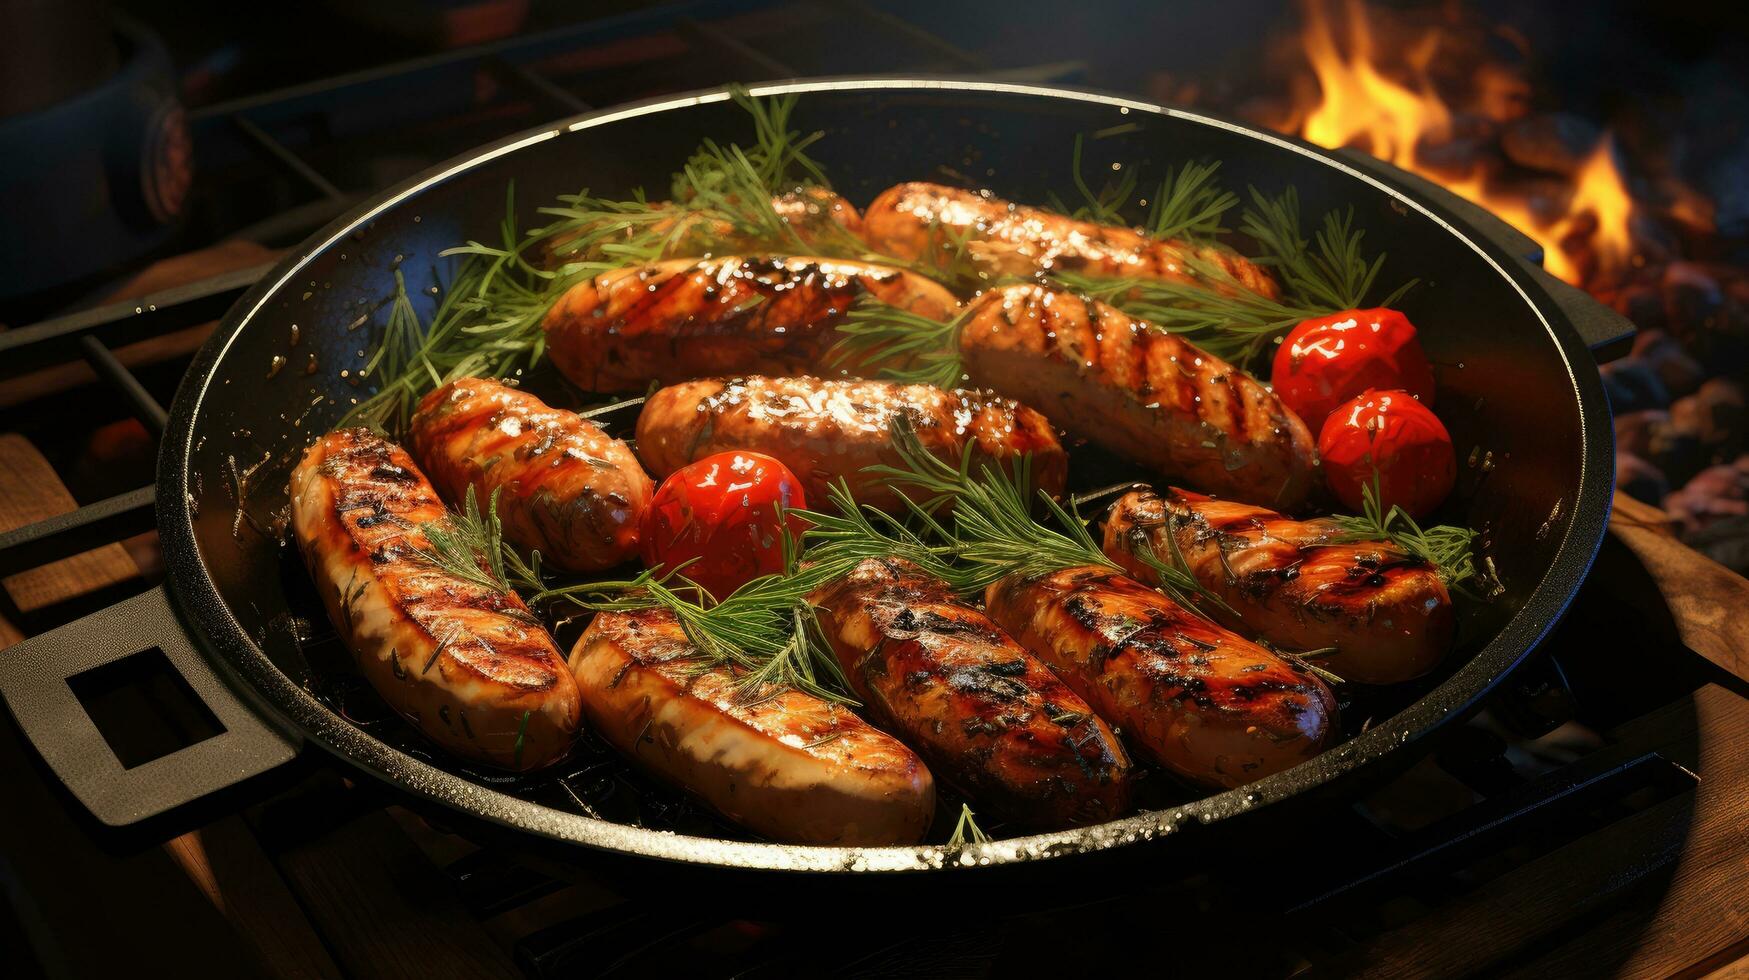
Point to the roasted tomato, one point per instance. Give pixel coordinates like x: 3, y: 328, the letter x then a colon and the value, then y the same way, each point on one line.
x: 1327, y: 360
x: 1398, y: 437
x: 723, y: 512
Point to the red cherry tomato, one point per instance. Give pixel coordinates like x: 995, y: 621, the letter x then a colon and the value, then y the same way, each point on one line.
x: 722, y: 510
x: 1327, y: 360
x: 1399, y: 436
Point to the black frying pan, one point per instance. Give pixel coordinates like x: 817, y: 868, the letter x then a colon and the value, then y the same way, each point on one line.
x: 1518, y: 385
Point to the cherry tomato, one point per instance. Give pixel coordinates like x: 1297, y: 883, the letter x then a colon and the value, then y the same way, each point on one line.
x: 722, y: 510
x: 1399, y: 436
x: 1327, y: 360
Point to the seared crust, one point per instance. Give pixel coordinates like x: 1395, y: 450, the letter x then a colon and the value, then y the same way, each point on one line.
x: 928, y: 222
x: 1141, y: 393
x: 826, y: 429
x: 985, y: 714
x: 565, y: 488
x: 466, y: 665
x: 686, y: 318
x: 1387, y: 614
x: 1205, y: 703
x: 788, y: 766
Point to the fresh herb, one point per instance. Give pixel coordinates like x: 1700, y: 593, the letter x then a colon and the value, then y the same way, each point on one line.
x: 1189, y: 203
x: 471, y: 547
x: 966, y: 830
x: 765, y: 633
x: 1450, y: 550
x: 488, y: 323
x: 993, y: 534
x: 1173, y: 574
x: 1219, y: 314
x: 1330, y: 272
x: 909, y: 347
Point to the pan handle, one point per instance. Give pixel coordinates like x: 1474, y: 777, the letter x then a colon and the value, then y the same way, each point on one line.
x: 37, y: 682
x: 1606, y: 332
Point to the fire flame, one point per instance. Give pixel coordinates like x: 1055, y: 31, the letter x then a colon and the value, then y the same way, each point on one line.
x: 1362, y: 106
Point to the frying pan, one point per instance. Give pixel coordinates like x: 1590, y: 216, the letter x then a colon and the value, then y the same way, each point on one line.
x: 1519, y: 391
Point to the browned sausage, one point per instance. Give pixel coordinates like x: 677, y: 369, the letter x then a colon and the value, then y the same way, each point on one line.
x: 687, y: 318
x: 985, y: 714
x: 824, y: 430
x: 930, y: 223
x: 1387, y: 614
x: 786, y: 765
x: 465, y: 664
x: 565, y: 488
x: 1204, y: 703
x: 1141, y: 393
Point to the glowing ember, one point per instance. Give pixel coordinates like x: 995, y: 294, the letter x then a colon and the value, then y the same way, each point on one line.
x: 1360, y: 105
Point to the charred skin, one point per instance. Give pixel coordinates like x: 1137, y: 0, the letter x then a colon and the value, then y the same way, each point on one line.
x: 1387, y: 614
x: 928, y: 222
x: 790, y: 767
x: 1141, y: 393
x: 1202, y: 702
x: 565, y: 488
x: 826, y: 429
x: 466, y: 665
x: 985, y: 714
x: 816, y: 216
x: 687, y: 318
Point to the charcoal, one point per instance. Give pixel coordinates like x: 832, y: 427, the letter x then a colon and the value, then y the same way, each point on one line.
x: 1640, y: 479
x: 1713, y: 494
x: 1633, y: 386
x: 1725, y: 541
x: 1681, y: 373
x: 1720, y: 405
x: 1557, y: 142
x: 1634, y: 431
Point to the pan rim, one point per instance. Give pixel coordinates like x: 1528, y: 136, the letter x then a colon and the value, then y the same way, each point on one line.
x: 226, y: 643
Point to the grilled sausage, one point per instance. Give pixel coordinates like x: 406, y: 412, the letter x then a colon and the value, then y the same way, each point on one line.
x: 815, y: 216
x: 985, y: 714
x: 465, y: 664
x: 565, y: 488
x: 687, y: 318
x: 1141, y: 393
x: 1386, y: 613
x: 930, y: 223
x: 1206, y: 704
x: 824, y: 430
x: 788, y: 765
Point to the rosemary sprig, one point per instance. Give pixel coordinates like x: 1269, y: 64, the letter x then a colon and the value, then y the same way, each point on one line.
x: 966, y: 830
x: 1189, y: 203
x: 1450, y: 550
x: 1319, y: 276
x: 909, y: 347
x: 766, y: 633
x: 471, y: 547
x: 994, y: 535
x: 489, y: 321
x: 1331, y: 271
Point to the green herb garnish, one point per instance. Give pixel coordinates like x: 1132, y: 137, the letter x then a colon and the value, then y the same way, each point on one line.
x: 471, y: 547
x: 911, y: 348
x: 1450, y: 550
x: 966, y: 830
x: 1319, y: 276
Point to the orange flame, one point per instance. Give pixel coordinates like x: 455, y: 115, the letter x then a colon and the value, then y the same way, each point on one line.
x: 1362, y: 106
